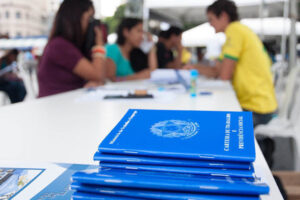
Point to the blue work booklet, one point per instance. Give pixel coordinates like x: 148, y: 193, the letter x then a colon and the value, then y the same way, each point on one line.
x: 153, y: 194
x: 188, y: 170
x: 203, y: 135
x: 171, y: 182
x: 129, y: 159
x: 91, y: 196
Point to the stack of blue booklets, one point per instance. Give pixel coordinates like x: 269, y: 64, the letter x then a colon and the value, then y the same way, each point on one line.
x: 172, y: 154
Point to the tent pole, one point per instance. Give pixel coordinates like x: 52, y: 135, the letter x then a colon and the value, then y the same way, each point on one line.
x: 293, y: 37
x: 284, y: 32
x: 146, y: 13
x: 262, y: 8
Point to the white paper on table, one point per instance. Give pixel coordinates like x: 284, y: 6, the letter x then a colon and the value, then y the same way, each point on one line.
x: 166, y: 94
x: 169, y: 76
x: 213, y: 84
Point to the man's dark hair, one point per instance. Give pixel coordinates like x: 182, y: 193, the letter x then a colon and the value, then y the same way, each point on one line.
x: 162, y: 34
x: 7, y: 58
x: 173, y: 30
x: 226, y: 6
x: 201, y: 50
x: 126, y: 23
x: 67, y: 23
x: 14, y: 52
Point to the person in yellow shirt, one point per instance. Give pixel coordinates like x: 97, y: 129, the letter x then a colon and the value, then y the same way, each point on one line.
x: 244, y: 61
x: 186, y: 56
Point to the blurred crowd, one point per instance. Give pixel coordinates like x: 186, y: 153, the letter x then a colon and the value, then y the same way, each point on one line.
x: 77, y: 56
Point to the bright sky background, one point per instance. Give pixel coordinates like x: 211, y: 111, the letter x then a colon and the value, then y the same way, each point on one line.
x: 106, y: 8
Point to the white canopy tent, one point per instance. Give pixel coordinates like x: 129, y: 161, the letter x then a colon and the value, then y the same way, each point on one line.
x: 204, y: 34
x: 23, y: 43
x: 197, y: 3
x: 274, y: 26
x: 201, y: 35
x: 193, y: 11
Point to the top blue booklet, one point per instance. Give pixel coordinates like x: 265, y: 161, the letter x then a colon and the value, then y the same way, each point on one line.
x: 203, y: 135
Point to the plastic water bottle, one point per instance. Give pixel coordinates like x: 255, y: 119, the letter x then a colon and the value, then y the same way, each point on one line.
x: 193, y: 85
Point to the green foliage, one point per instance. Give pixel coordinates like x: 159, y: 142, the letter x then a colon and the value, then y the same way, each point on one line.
x: 115, y: 20
x: 119, y: 14
x: 187, y: 25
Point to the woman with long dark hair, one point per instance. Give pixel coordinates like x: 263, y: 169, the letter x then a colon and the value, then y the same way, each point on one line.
x: 130, y: 36
x: 64, y: 66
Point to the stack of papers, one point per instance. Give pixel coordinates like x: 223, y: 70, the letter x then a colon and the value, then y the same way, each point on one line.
x: 170, y: 76
x: 161, y: 154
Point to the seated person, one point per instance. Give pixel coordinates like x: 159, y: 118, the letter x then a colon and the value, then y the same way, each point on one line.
x: 10, y: 83
x: 139, y: 56
x: 186, y: 56
x: 63, y: 66
x: 130, y: 37
x: 244, y: 61
x: 201, y: 56
x: 138, y: 60
x: 169, y: 40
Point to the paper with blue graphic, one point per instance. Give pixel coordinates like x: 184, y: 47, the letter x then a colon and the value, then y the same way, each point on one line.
x: 36, y: 181
x: 14, y: 180
x: 129, y: 159
x: 152, y: 194
x: 203, y: 135
x: 171, y: 182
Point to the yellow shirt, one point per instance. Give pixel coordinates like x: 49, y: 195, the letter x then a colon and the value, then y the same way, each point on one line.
x: 252, y: 78
x: 185, y: 56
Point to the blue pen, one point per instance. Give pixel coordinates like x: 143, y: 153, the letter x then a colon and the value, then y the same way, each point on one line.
x: 205, y: 93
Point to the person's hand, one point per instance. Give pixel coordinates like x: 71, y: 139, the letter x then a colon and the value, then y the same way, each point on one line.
x: 98, y: 36
x: 179, y: 47
x: 149, y: 36
x: 145, y: 74
x: 12, y: 77
x: 189, y: 67
x: 93, y: 84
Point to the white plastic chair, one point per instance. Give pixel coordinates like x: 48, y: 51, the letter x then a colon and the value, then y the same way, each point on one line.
x: 4, y: 99
x: 28, y: 72
x: 288, y: 120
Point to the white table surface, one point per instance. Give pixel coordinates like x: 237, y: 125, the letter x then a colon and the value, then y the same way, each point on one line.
x: 61, y: 129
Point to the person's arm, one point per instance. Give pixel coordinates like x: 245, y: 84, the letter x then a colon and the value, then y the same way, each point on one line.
x: 143, y: 74
x: 110, y: 69
x: 111, y: 72
x: 223, y: 70
x: 176, y: 63
x: 91, y: 71
x: 152, y: 59
x: 94, y: 71
x: 227, y: 69
x: 208, y: 71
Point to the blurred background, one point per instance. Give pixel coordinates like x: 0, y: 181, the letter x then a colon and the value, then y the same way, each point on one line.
x: 25, y: 26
